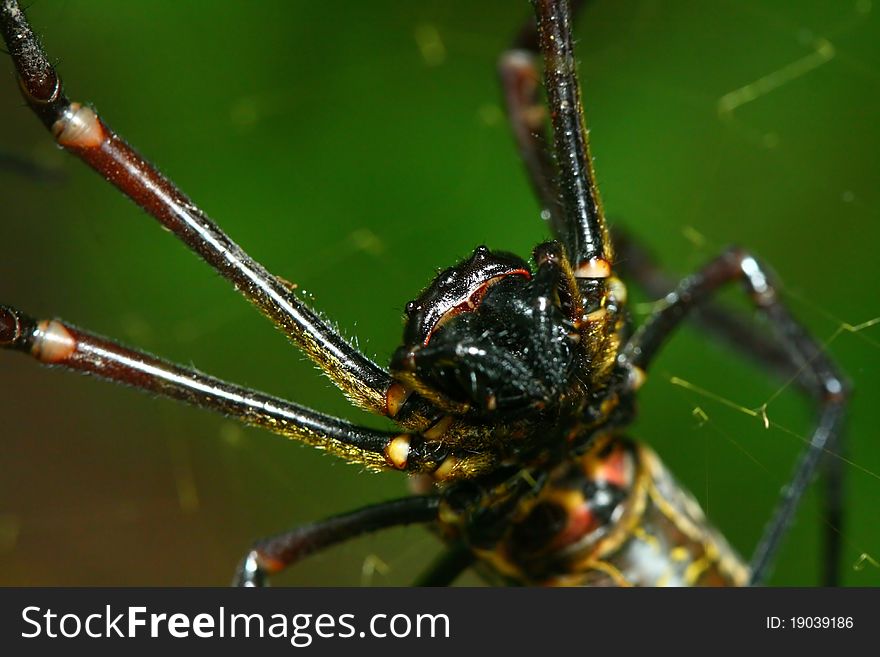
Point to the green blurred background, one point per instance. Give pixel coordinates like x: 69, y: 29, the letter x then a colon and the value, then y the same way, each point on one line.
x: 354, y: 148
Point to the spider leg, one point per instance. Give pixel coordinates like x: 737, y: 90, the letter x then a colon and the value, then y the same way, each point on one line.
x: 634, y: 262
x: 78, y: 129
x: 566, y: 188
x: 271, y: 555
x: 585, y: 232
x: 53, y: 342
x: 520, y: 78
x: 825, y: 383
x: 448, y: 566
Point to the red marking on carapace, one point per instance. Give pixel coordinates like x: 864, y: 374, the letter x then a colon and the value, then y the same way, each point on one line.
x: 473, y: 299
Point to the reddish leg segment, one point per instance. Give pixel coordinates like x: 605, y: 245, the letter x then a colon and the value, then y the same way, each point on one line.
x: 54, y: 342
x: 821, y: 378
x: 78, y: 129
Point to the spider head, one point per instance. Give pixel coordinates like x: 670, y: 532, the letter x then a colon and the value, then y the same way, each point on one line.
x: 490, y: 336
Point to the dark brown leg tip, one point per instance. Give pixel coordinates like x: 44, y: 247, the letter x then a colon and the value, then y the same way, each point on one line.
x: 10, y: 326
x: 15, y: 328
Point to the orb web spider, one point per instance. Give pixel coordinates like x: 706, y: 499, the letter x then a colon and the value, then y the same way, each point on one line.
x: 513, y: 382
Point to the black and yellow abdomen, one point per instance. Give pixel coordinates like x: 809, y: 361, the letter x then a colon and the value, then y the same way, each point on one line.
x: 614, y: 516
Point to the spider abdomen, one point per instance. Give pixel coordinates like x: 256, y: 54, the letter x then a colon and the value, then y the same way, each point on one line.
x: 612, y: 517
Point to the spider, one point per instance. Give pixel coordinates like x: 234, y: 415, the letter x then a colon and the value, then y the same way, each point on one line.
x: 431, y: 375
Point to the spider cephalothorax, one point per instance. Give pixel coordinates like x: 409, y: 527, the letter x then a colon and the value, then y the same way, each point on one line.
x: 489, y: 336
